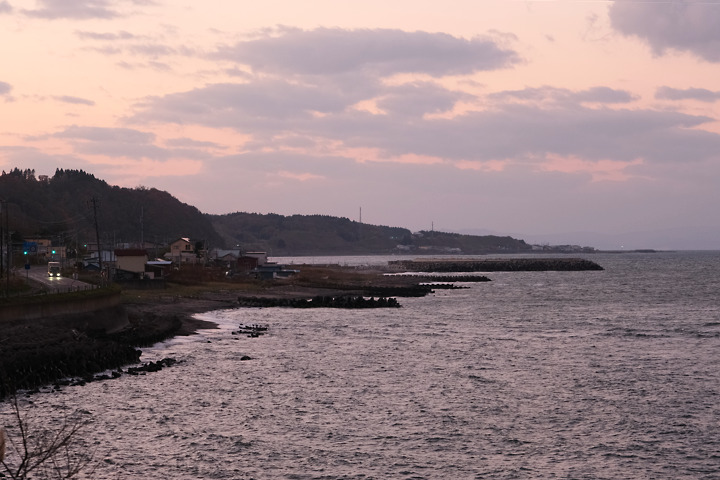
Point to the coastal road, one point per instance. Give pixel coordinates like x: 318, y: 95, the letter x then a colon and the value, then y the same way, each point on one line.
x: 56, y: 284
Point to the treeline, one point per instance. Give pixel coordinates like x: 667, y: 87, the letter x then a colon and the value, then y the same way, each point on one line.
x: 326, y: 235
x: 307, y: 234
x: 61, y: 208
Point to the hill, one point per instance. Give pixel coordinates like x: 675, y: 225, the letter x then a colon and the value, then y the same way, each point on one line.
x: 306, y: 234
x: 62, y: 208
x: 326, y: 235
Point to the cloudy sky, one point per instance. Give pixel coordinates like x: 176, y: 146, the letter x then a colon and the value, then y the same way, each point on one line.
x: 593, y: 122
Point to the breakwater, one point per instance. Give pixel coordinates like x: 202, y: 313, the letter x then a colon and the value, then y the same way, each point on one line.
x: 343, y: 301
x: 449, y: 278
x: 495, y: 265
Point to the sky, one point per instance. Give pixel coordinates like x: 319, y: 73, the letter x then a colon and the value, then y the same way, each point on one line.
x: 562, y: 122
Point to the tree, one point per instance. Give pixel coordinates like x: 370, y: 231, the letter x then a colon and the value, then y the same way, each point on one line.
x: 27, y: 448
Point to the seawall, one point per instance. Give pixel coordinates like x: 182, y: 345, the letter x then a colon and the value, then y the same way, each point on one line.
x: 69, y: 308
x: 46, y: 339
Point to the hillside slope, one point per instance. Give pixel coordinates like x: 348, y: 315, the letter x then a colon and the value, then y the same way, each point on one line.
x: 63, y: 208
x: 325, y: 235
x: 306, y: 234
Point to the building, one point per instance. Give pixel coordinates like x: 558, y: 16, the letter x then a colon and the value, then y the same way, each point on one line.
x: 262, y: 257
x: 182, y: 251
x: 269, y: 271
x: 225, y: 256
x: 91, y: 262
x: 130, y: 262
x: 157, y: 269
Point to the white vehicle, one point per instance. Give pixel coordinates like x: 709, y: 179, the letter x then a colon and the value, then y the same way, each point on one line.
x: 53, y: 269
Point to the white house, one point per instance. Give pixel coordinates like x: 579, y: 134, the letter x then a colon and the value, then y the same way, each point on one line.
x: 182, y: 251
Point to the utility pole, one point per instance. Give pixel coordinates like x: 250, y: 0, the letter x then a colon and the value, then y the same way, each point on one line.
x: 5, y: 237
x: 8, y: 246
x: 2, y: 242
x: 95, y: 202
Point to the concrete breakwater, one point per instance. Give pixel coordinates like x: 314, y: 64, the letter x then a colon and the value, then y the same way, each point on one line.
x: 449, y: 278
x: 344, y: 301
x: 495, y: 265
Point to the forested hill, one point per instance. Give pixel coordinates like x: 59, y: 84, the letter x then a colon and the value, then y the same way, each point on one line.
x: 324, y: 235
x: 307, y: 234
x: 62, y: 207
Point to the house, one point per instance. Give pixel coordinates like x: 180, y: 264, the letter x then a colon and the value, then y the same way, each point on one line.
x: 269, y: 271
x: 130, y: 262
x: 156, y: 269
x: 182, y: 251
x: 262, y: 257
x: 91, y: 262
x: 225, y: 256
x: 245, y: 264
x: 235, y: 260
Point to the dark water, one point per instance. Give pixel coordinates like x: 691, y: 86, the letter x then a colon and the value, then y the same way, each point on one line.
x: 572, y: 375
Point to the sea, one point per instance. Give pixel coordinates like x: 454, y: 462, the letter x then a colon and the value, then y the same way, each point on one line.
x: 611, y: 374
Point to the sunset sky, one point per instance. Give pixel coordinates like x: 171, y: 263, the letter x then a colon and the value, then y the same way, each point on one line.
x: 592, y: 122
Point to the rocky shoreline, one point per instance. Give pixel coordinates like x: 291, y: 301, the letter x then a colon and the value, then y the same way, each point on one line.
x: 60, y: 350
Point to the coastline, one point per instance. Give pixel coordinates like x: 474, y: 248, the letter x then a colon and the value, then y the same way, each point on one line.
x: 44, y: 352
x: 62, y: 350
x: 164, y: 309
x: 47, y: 352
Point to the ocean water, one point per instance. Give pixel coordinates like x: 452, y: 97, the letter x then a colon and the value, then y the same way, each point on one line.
x: 570, y: 375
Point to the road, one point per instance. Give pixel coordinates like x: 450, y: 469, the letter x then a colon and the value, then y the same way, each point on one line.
x: 56, y: 284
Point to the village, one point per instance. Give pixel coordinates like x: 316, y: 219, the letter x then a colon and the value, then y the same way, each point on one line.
x: 149, y: 266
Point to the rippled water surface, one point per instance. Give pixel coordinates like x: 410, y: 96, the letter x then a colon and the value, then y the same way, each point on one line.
x: 583, y: 375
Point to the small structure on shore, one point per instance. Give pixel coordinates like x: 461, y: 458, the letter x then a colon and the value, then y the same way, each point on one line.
x: 269, y: 270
